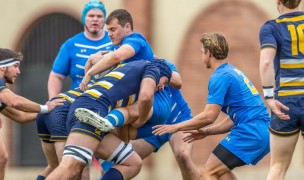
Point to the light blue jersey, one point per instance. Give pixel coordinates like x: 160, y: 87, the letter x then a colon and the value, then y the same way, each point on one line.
x: 74, y: 54
x: 249, y: 137
x: 142, y: 48
x: 230, y: 88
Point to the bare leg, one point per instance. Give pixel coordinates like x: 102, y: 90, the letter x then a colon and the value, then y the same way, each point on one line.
x: 214, y: 169
x: 3, y: 158
x: 51, y: 158
x: 182, y: 152
x: 281, y: 149
x: 69, y: 167
x: 143, y: 148
x: 130, y: 167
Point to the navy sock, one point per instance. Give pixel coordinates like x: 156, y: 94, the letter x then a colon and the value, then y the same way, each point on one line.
x: 112, y: 174
x: 39, y: 177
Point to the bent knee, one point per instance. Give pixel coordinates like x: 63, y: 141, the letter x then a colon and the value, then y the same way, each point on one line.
x: 3, y: 159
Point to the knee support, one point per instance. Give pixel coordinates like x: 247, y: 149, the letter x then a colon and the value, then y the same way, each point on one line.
x: 121, y: 153
x: 79, y: 153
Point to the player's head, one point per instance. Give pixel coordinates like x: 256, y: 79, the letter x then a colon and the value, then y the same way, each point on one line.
x: 119, y: 25
x: 290, y: 4
x: 9, y: 64
x: 216, y: 44
x: 165, y: 73
x: 93, y: 4
x: 93, y: 16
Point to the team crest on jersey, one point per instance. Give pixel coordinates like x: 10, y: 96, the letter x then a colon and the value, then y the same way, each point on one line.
x: 97, y: 131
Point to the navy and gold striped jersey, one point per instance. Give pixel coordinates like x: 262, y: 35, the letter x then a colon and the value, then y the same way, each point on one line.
x: 286, y: 35
x: 70, y: 95
x: 120, y: 87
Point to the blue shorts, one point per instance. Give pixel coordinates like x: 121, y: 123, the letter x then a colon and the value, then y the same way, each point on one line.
x: 296, y: 112
x: 75, y: 126
x: 248, y: 141
x: 52, y: 126
x: 159, y: 141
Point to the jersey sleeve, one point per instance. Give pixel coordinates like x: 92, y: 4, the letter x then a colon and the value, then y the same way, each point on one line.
x: 267, y: 38
x: 135, y: 42
x: 217, y: 89
x: 152, y: 72
x: 61, y: 64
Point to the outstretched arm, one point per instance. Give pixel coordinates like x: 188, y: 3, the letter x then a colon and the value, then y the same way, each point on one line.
x: 18, y: 116
x: 219, y: 128
x: 20, y: 103
x: 208, y: 116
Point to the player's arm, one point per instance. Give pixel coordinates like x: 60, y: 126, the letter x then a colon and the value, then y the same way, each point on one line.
x: 145, y: 99
x: 55, y: 84
x: 18, y: 116
x: 176, y: 80
x: 20, y: 103
x: 222, y: 127
x: 266, y: 66
x: 111, y: 59
x: 207, y: 117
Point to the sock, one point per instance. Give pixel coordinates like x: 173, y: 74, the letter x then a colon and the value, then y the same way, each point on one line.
x: 116, y: 118
x: 39, y: 177
x: 106, y: 165
x: 112, y: 174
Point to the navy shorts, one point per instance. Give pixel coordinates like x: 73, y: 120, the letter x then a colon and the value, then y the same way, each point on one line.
x: 52, y: 126
x: 75, y: 126
x: 290, y: 127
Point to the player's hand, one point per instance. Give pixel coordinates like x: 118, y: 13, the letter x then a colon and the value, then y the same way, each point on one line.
x: 84, y: 83
x: 276, y: 107
x: 194, y: 135
x: 164, y: 129
x: 94, y: 58
x: 56, y: 102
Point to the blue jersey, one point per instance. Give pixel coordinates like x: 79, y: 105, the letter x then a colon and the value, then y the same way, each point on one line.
x: 285, y: 34
x: 142, y: 48
x: 74, y: 54
x: 231, y: 89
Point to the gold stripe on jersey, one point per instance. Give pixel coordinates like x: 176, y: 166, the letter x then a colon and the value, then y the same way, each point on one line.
x: 66, y: 97
x: 291, y: 92
x: 115, y: 74
x: 104, y: 84
x: 293, y: 19
x: 119, y: 65
x: 74, y: 92
x: 291, y: 81
x: 118, y: 103
x: 131, y: 99
x: 291, y: 63
x: 93, y: 93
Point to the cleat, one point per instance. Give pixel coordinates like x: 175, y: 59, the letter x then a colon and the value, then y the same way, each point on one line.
x: 89, y: 117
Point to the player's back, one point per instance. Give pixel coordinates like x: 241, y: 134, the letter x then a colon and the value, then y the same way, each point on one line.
x: 286, y: 35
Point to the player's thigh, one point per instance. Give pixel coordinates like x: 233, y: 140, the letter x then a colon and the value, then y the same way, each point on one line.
x: 214, y: 166
x: 178, y: 145
x: 142, y: 147
x: 282, y: 148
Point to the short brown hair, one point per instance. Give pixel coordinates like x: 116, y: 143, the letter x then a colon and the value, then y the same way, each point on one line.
x: 7, y: 54
x: 291, y: 4
x: 216, y: 44
x: 123, y: 17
